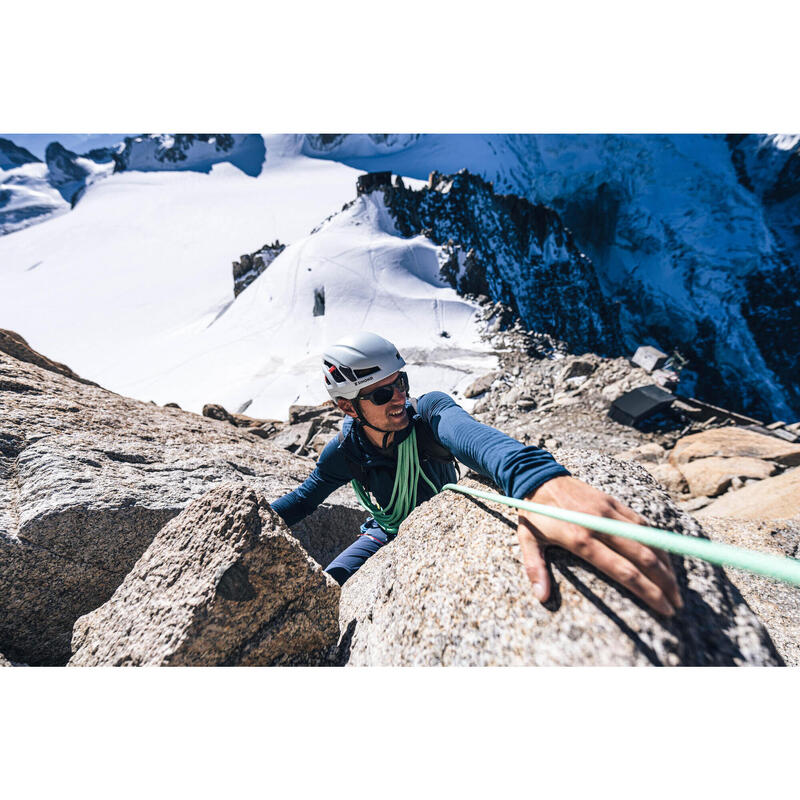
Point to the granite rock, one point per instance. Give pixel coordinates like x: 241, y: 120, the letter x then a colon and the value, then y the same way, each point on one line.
x: 713, y: 475
x: 669, y: 477
x: 450, y: 590
x: 773, y: 498
x: 777, y: 604
x: 87, y: 479
x: 223, y: 583
x: 732, y: 442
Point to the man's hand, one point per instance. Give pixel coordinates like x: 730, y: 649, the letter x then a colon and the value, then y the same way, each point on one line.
x: 645, y: 571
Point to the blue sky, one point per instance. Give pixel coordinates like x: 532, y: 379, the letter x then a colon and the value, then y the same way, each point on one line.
x: 78, y: 142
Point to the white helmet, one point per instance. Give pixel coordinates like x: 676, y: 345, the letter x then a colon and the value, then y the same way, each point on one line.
x: 357, y: 361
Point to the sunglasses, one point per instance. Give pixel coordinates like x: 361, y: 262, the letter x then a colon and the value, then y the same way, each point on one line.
x: 383, y: 394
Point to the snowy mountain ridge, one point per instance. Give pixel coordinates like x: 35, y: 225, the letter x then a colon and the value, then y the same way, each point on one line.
x: 32, y: 191
x: 690, y: 241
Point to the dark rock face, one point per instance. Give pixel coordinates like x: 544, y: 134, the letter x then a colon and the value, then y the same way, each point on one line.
x: 65, y: 172
x: 372, y: 180
x: 251, y: 265
x: 513, y: 251
x: 12, y: 155
x: 223, y: 584
x: 366, y: 144
x: 174, y: 149
x: 196, y: 151
x: 451, y: 590
x: 772, y: 298
x: 62, y: 164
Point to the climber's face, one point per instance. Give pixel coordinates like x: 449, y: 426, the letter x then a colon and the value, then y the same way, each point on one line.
x: 388, y: 416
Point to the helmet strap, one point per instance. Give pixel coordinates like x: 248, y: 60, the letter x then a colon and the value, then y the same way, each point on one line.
x: 363, y: 420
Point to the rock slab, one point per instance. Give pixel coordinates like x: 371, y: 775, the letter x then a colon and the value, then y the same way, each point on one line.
x: 224, y: 583
x: 734, y: 442
x: 772, y: 498
x: 713, y: 475
x: 451, y: 590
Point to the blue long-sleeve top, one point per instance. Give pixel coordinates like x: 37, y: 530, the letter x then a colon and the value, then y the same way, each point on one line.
x: 516, y: 468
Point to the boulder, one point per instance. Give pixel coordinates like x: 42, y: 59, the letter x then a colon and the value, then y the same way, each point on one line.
x: 451, y: 590
x: 776, y: 603
x: 772, y: 498
x: 649, y: 358
x: 733, y: 442
x: 713, y: 475
x: 87, y: 479
x: 480, y: 385
x: 669, y: 477
x: 578, y: 368
x: 222, y: 584
x: 298, y: 413
x: 695, y: 503
x: 218, y: 412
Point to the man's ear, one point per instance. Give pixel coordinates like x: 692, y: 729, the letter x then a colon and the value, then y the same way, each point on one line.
x: 346, y: 406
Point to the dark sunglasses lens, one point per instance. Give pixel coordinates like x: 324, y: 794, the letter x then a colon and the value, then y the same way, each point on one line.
x: 383, y: 395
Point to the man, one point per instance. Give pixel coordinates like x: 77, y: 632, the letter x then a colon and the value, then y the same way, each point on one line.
x: 363, y: 375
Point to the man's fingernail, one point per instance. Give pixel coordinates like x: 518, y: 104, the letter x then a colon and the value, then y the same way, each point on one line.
x: 538, y: 590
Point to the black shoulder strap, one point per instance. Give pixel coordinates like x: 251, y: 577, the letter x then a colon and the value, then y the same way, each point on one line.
x: 356, y: 469
x: 429, y: 447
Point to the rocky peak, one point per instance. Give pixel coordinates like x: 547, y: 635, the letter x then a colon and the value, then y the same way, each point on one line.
x: 198, y: 151
x: 66, y: 172
x: 12, y: 155
x: 251, y: 265
x: 514, y: 251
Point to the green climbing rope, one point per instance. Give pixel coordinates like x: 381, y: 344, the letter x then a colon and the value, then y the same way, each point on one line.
x: 777, y: 567
x: 404, y: 493
x: 404, y: 500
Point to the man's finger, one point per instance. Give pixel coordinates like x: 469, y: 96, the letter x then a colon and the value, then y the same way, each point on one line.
x: 628, y: 574
x: 533, y: 560
x: 647, y: 560
x: 654, y: 563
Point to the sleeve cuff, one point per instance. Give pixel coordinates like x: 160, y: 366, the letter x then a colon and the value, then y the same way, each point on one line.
x: 535, y: 481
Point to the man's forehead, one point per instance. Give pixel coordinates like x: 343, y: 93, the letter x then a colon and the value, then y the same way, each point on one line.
x: 387, y: 380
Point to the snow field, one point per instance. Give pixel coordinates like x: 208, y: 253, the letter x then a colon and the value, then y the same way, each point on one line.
x: 133, y: 288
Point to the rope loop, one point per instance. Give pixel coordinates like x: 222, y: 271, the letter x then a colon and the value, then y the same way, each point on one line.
x: 404, y: 493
